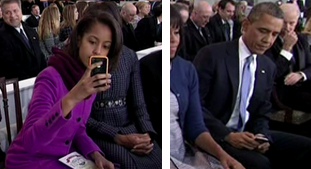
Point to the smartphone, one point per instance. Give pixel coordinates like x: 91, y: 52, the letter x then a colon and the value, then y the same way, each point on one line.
x: 103, y: 69
x: 261, y: 140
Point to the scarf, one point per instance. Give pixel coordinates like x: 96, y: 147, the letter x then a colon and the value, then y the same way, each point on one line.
x: 70, y: 69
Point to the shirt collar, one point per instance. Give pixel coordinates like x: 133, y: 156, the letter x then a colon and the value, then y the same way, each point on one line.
x: 20, y: 28
x: 244, y: 51
x: 196, y: 26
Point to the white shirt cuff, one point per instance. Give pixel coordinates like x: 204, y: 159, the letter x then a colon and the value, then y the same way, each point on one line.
x: 286, y: 54
x: 304, y: 77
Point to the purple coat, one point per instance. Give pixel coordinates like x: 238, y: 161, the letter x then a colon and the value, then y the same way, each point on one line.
x: 46, y: 135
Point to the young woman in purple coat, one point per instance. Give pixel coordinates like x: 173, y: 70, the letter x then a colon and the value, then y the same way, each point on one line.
x: 62, y: 99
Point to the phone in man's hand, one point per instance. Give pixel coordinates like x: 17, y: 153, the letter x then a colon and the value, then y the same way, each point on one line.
x: 102, y: 69
x: 261, y: 139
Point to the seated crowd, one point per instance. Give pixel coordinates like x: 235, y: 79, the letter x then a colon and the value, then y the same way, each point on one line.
x: 103, y: 117
x: 226, y: 61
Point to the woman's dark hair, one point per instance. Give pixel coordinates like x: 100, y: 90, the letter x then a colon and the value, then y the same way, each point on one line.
x: 107, y: 6
x: 85, y: 24
x: 177, y: 23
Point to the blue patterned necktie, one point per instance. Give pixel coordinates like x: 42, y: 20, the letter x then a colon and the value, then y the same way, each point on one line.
x: 245, y: 89
x: 21, y: 32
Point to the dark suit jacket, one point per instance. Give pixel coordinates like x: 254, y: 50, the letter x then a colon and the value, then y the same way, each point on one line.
x: 218, y: 70
x: 32, y: 21
x: 193, y: 41
x: 129, y: 38
x: 146, y: 32
x: 1, y: 22
x: 302, y: 56
x: 218, y: 31
x: 151, y: 77
x: 16, y: 58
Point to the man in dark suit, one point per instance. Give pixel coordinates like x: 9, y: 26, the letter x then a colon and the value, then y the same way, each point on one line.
x: 147, y: 30
x: 292, y: 57
x: 33, y: 20
x: 151, y: 77
x: 20, y: 55
x: 221, y: 25
x: 196, y: 34
x: 236, y: 80
x: 128, y: 12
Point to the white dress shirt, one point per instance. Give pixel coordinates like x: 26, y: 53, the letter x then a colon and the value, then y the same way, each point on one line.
x: 243, y: 54
x: 21, y: 28
x: 288, y: 55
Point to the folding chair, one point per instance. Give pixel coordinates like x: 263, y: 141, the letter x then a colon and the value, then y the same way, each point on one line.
x: 18, y: 110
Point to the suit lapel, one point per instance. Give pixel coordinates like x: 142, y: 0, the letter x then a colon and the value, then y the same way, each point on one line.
x: 31, y: 39
x: 18, y: 36
x: 232, y: 64
x: 259, y: 74
x: 221, y: 26
x: 300, y: 55
x: 195, y: 32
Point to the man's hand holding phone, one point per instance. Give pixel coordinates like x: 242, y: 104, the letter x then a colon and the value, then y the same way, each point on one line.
x: 264, y: 143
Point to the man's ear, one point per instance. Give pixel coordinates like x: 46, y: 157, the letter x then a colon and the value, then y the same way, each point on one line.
x: 245, y: 25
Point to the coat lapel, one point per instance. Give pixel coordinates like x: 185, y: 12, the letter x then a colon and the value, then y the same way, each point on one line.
x: 221, y: 26
x: 232, y: 64
x: 18, y: 36
x: 300, y: 56
x: 195, y: 32
x: 31, y: 38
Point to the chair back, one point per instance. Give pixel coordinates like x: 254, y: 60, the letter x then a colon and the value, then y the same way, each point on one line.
x: 18, y: 110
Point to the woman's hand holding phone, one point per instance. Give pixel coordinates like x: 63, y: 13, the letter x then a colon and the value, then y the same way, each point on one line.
x: 87, y: 86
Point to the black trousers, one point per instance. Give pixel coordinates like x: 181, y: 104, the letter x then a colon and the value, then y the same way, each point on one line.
x: 297, y: 97
x: 288, y: 151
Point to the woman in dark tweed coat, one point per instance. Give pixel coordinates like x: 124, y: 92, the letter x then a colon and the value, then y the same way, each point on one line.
x: 119, y: 123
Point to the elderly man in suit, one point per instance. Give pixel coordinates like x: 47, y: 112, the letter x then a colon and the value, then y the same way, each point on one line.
x: 20, y: 55
x: 33, y: 19
x: 221, y: 24
x: 236, y: 80
x: 196, y: 34
x: 128, y: 12
x: 149, y: 30
x: 292, y: 57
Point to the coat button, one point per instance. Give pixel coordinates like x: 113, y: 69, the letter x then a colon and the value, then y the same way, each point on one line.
x: 56, y: 114
x: 53, y: 117
x: 46, y: 124
x: 67, y: 142
x: 79, y: 119
x: 50, y: 121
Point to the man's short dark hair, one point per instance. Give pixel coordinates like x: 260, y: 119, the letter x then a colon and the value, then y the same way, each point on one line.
x: 260, y: 9
x: 222, y: 4
x: 157, y: 11
x: 33, y: 6
x: 180, y: 7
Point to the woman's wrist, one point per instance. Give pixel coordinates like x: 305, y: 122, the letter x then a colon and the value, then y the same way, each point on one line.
x: 95, y: 154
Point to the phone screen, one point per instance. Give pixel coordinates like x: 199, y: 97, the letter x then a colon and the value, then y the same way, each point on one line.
x: 100, y: 69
